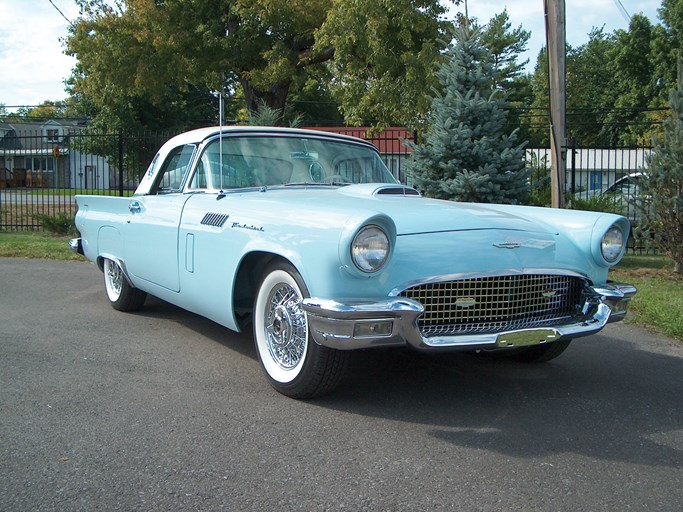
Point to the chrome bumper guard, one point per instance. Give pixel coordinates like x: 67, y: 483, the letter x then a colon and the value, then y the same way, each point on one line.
x: 617, y: 297
x: 76, y: 246
x: 393, y: 323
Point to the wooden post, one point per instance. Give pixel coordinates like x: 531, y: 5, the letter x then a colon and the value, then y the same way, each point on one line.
x: 555, y: 38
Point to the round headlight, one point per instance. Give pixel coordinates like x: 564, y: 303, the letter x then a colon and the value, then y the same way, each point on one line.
x: 612, y: 244
x: 370, y: 249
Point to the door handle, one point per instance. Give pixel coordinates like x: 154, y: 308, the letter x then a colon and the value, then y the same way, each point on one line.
x: 134, y: 207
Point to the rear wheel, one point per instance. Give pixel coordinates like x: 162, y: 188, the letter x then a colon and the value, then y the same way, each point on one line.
x: 293, y: 362
x: 122, y: 296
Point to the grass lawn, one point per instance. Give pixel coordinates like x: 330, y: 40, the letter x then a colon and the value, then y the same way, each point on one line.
x: 37, y: 244
x: 658, y: 305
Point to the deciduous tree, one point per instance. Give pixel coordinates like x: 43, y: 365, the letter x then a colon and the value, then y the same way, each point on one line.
x: 376, y: 54
x: 616, y: 83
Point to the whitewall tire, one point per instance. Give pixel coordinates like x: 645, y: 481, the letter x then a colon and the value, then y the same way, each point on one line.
x: 122, y: 296
x: 294, y: 364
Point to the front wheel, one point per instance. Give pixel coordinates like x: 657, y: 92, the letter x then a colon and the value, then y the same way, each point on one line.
x: 293, y: 362
x: 122, y: 296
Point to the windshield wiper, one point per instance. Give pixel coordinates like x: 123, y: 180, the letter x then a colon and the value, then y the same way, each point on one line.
x: 315, y: 184
x: 224, y: 192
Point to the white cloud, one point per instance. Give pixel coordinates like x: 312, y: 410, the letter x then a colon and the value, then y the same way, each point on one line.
x: 32, y: 62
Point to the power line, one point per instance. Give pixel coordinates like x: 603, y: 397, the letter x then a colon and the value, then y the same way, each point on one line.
x: 623, y: 10
x: 60, y: 12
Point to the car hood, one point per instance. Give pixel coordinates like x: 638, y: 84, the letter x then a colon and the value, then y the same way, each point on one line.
x: 413, y: 214
x: 445, y: 237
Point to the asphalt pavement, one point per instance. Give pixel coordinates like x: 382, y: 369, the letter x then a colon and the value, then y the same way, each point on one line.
x: 163, y: 410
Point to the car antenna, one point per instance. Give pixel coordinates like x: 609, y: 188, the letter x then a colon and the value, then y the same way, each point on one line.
x: 221, y: 194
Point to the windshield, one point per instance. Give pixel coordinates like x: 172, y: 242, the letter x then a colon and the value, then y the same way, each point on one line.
x: 258, y: 161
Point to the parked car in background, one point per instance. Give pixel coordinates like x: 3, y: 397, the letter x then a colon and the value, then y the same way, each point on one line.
x: 627, y: 186
x: 626, y: 193
x: 306, y: 238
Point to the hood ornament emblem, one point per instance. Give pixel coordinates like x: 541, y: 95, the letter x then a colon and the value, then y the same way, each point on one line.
x: 507, y: 245
x: 465, y: 302
x: 548, y: 294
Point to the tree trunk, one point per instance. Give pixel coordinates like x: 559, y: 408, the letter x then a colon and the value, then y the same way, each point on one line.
x: 275, y: 98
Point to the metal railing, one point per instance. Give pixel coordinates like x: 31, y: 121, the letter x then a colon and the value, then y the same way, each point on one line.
x: 41, y: 172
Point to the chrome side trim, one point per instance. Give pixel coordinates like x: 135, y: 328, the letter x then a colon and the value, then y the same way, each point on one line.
x: 119, y: 263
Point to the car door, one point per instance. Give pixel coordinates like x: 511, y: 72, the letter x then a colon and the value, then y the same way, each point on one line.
x: 151, y: 238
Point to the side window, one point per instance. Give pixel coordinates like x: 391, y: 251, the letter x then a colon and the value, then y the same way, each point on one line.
x: 147, y: 181
x: 199, y: 179
x: 173, y: 170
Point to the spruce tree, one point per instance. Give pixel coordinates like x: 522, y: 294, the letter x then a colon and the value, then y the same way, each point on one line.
x: 467, y: 154
x: 660, y: 199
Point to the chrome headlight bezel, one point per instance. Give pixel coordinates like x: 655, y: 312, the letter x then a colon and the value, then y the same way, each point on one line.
x: 612, y: 244
x: 608, y: 240
x: 370, y: 249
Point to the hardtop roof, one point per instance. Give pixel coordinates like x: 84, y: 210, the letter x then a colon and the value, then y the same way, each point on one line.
x: 200, y: 134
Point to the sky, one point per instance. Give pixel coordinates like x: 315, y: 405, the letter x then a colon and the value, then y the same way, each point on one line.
x: 33, y: 67
x: 581, y: 16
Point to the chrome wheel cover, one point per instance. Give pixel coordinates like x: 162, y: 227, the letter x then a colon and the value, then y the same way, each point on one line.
x: 113, y: 279
x: 285, y: 325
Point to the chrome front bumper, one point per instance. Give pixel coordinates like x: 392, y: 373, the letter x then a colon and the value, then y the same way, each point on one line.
x: 393, y: 323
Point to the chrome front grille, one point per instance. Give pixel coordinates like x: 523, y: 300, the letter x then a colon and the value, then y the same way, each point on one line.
x: 497, y: 304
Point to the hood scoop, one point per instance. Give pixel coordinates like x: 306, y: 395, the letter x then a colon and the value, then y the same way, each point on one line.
x: 372, y: 190
x: 397, y: 191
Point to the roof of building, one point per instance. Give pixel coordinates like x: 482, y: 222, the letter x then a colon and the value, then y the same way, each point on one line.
x: 31, y: 136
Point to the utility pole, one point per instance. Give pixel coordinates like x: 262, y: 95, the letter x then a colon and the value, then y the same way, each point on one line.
x: 555, y: 39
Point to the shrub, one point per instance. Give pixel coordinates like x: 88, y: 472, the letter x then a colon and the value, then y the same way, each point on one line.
x: 60, y: 224
x: 605, y: 203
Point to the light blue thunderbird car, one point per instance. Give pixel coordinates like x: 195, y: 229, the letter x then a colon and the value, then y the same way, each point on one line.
x: 307, y: 237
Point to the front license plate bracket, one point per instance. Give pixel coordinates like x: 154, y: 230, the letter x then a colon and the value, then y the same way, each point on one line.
x: 527, y: 338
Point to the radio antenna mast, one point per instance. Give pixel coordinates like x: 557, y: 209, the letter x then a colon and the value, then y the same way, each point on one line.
x: 220, y: 135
